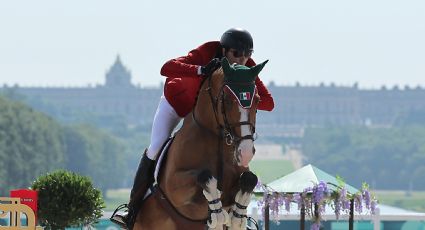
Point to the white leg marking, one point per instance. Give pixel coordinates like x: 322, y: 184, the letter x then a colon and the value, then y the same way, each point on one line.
x: 238, y: 223
x: 217, y: 219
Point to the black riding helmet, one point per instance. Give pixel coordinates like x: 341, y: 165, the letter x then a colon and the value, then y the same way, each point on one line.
x: 237, y: 38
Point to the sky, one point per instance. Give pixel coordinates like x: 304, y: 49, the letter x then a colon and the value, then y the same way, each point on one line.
x: 68, y: 43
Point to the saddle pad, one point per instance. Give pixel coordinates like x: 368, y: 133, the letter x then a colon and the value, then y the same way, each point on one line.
x: 163, y: 153
x: 161, y: 157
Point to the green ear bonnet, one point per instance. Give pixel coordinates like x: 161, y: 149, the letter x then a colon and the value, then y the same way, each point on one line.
x: 240, y: 81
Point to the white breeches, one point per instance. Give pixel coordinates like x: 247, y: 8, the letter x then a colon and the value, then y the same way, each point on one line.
x: 164, y: 122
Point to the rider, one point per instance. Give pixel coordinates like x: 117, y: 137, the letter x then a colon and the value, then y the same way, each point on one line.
x: 184, y: 76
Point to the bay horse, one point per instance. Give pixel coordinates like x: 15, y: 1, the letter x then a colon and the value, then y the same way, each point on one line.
x: 205, y: 181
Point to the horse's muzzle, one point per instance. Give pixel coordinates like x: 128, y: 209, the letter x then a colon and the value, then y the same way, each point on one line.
x: 245, y: 152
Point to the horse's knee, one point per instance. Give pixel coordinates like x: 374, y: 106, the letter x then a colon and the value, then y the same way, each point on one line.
x: 248, y: 181
x: 203, y: 178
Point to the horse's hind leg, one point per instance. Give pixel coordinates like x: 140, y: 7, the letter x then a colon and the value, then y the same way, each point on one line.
x: 218, y: 216
x: 238, y: 216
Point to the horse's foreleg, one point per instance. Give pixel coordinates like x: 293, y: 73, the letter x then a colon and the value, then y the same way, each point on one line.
x: 238, y: 216
x: 217, y: 215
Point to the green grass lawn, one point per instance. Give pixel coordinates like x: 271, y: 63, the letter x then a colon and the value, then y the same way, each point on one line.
x: 412, y: 201
x: 270, y: 170
x: 115, y: 197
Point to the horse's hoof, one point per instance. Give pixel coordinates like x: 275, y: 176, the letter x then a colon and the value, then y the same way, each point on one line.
x: 248, y: 181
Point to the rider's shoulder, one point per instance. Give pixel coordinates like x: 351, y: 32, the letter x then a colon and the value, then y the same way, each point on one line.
x: 209, y: 45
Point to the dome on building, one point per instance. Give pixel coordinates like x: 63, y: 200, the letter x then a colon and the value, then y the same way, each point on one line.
x: 118, y: 75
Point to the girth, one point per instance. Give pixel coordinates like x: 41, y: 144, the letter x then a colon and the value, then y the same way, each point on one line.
x: 181, y: 221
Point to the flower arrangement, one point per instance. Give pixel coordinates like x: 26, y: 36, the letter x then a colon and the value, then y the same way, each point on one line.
x: 315, y: 199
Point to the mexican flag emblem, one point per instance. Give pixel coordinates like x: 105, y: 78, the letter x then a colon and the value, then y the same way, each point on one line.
x: 245, y: 96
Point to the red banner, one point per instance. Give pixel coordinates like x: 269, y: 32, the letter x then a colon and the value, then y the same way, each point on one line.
x: 28, y: 197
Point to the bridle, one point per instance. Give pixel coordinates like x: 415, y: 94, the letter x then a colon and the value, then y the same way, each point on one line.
x: 227, y: 129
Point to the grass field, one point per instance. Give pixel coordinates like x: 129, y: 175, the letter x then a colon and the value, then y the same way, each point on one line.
x: 115, y: 197
x: 408, y: 200
x: 270, y: 170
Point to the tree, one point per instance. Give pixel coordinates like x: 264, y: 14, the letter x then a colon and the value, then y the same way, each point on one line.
x: 384, y: 157
x: 30, y: 144
x: 67, y: 199
x: 95, y: 153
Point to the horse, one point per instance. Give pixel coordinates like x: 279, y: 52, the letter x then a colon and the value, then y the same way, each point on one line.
x: 205, y: 180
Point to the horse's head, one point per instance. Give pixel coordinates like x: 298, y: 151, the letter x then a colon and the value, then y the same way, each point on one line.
x: 235, y: 99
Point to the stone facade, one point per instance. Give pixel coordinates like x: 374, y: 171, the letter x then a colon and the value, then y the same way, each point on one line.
x: 295, y: 106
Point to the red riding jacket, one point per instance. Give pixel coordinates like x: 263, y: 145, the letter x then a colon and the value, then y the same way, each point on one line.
x: 183, y: 81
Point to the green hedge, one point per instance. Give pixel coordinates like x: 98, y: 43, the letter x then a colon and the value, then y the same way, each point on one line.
x: 67, y: 199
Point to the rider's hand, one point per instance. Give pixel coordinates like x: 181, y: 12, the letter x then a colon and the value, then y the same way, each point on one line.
x: 209, y: 68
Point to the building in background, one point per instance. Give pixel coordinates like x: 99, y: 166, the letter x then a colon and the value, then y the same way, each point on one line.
x: 296, y: 107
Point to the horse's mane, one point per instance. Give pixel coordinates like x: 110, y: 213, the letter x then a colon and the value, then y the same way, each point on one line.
x: 217, y: 73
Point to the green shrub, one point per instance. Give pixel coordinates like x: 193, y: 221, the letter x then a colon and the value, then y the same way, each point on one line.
x: 67, y: 199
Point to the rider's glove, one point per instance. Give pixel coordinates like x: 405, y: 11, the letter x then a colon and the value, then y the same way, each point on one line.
x: 209, y: 68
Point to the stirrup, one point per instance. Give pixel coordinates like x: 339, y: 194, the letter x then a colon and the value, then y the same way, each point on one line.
x: 252, y: 220
x: 120, y: 218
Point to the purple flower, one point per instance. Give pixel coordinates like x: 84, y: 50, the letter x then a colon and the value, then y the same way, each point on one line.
x: 307, y: 190
x: 320, y: 192
x: 344, y: 199
x: 275, y: 202
x: 366, y: 198
x: 337, y: 208
x: 315, y: 226
x: 358, y: 204
x: 288, y: 200
x: 320, y: 195
x: 298, y: 200
x: 259, y: 185
x: 373, y: 205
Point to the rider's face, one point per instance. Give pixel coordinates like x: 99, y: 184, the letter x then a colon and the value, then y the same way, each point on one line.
x: 237, y: 56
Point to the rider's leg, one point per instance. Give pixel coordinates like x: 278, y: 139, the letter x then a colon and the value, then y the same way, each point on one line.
x: 165, y: 120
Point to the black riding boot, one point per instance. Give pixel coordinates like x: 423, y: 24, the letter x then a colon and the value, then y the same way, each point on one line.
x: 142, y: 181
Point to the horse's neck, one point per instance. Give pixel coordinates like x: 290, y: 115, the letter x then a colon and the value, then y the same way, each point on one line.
x: 203, y: 116
x: 200, y: 126
x: 199, y: 129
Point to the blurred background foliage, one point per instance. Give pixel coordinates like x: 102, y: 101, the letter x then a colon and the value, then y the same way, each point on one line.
x: 108, y: 150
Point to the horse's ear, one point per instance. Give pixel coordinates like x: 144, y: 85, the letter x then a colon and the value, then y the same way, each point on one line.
x: 225, y: 65
x: 257, y: 69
